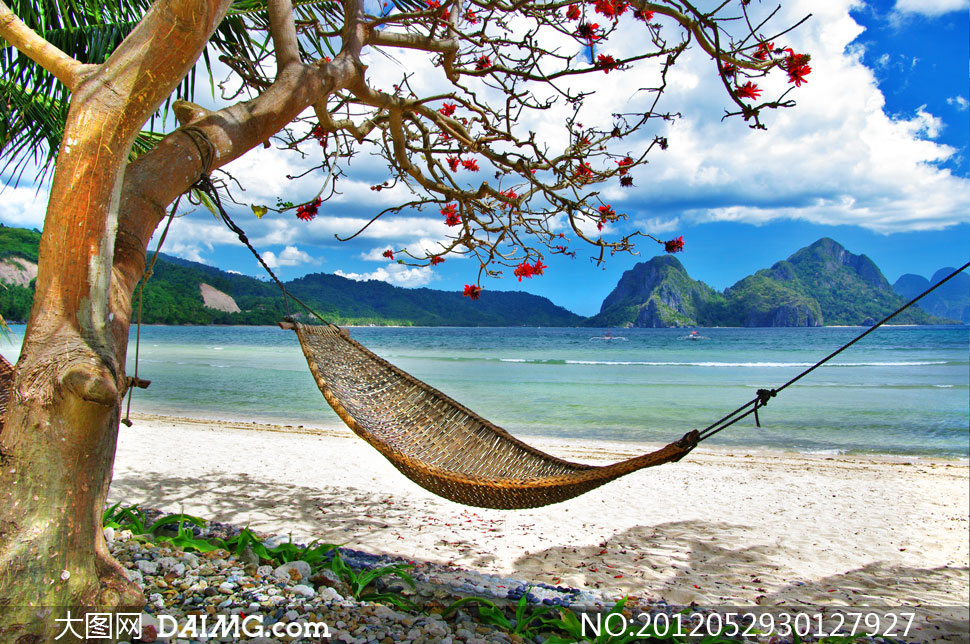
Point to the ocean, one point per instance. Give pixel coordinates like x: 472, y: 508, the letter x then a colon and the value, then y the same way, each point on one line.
x: 901, y: 390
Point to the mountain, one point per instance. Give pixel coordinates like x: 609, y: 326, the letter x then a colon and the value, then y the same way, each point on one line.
x: 657, y: 293
x: 952, y: 300
x: 820, y: 284
x: 185, y: 292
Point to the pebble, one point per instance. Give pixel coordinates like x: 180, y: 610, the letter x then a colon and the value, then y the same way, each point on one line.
x: 183, y: 584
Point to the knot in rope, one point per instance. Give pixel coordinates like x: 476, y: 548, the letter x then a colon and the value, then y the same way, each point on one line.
x: 764, y: 395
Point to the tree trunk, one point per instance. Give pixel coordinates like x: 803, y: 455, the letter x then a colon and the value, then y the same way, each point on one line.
x: 57, y: 444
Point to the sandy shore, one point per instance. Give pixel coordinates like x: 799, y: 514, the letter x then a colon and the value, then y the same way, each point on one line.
x: 722, y: 527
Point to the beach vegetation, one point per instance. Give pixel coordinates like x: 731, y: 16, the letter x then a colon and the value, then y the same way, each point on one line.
x: 84, y: 83
x: 362, y: 582
x: 528, y: 619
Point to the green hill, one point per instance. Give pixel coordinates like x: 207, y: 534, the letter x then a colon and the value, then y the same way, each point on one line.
x: 174, y: 295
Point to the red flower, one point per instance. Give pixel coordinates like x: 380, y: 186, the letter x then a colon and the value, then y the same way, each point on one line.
x: 483, y: 63
x: 308, y: 211
x: 447, y: 109
x: 624, y: 163
x: 729, y: 69
x: 643, y: 15
x: 606, y: 63
x: 511, y: 195
x: 321, y: 136
x: 470, y: 164
x: 674, y: 245
x: 472, y: 291
x: 749, y: 90
x: 572, y: 13
x: 583, y: 170
x: 610, y: 8
x: 626, y: 182
x: 524, y: 270
x: 606, y: 214
x: 388, y: 254
x: 437, y: 259
x: 433, y: 4
x: 472, y: 18
x: 539, y: 267
x: 451, y: 215
x: 763, y: 50
x: 587, y: 31
x: 797, y: 67
x: 453, y: 163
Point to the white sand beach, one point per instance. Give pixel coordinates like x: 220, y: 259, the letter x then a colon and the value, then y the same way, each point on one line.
x: 722, y: 527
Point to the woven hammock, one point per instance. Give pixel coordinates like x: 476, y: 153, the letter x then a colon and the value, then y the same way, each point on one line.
x: 440, y: 444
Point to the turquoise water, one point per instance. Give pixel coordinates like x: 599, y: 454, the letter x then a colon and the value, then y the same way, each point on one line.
x: 902, y: 390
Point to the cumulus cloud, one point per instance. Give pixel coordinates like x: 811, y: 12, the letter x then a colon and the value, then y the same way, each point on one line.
x: 395, y: 274
x: 835, y: 158
x: 289, y: 256
x: 930, y: 7
x: 23, y: 206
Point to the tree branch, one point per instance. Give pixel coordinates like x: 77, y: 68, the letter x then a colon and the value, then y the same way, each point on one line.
x: 283, y: 31
x: 66, y: 69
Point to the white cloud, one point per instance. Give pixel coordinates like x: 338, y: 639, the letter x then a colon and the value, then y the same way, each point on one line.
x: 289, y: 256
x: 930, y: 7
x: 835, y: 158
x: 23, y: 206
x: 395, y: 274
x: 657, y: 225
x: 959, y: 102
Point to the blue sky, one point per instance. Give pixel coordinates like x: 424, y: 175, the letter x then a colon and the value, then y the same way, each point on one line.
x: 875, y: 156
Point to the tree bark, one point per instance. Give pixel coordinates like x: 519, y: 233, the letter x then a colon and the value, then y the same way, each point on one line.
x: 58, y: 441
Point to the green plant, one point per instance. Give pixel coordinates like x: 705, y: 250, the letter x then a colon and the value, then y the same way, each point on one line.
x: 527, y: 620
x: 360, y: 581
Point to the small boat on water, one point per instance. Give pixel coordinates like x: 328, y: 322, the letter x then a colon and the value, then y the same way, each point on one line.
x: 608, y: 336
x: 694, y: 335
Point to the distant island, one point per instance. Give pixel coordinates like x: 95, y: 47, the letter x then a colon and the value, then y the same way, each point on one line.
x: 821, y: 284
x: 818, y: 285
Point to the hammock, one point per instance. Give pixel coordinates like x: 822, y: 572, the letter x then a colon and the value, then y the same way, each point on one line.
x: 441, y: 445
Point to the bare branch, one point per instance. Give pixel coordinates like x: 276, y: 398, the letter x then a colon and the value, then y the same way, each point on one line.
x: 66, y: 69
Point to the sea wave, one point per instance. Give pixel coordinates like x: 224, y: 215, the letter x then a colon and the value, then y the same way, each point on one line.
x: 714, y: 364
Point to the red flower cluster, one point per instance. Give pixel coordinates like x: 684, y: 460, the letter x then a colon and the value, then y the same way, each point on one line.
x: 624, y: 164
x: 483, y: 63
x: 447, y: 109
x: 764, y: 49
x: 612, y: 9
x: 587, y: 31
x: 606, y: 63
x: 583, y: 170
x: 606, y: 214
x: 472, y: 291
x: 470, y: 164
x: 453, y: 163
x: 388, y: 254
x: 749, y: 90
x: 450, y: 213
x: 321, y: 136
x: 729, y: 69
x: 525, y: 269
x: 308, y: 211
x: 674, y: 245
x: 645, y: 16
x: 572, y: 13
x: 510, y: 193
x: 437, y: 259
x: 472, y: 18
x: 797, y: 67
